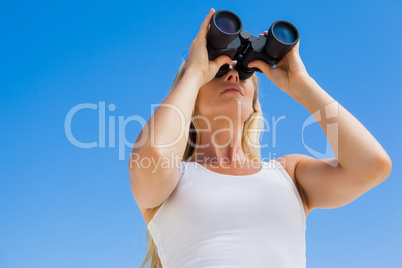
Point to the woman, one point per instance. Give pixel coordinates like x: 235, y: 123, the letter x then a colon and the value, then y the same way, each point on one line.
x: 222, y: 205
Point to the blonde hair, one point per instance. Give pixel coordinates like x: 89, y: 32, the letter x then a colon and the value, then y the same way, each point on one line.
x: 253, y: 122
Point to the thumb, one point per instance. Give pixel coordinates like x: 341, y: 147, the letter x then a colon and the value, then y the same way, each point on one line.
x: 221, y: 60
x: 265, y: 68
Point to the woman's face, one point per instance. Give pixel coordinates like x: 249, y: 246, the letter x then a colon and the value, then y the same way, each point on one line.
x: 212, y: 102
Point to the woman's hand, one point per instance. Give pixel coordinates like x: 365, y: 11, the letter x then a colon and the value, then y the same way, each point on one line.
x: 288, y: 72
x: 198, y: 56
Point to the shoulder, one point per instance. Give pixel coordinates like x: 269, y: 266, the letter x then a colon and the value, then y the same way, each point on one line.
x: 289, y: 163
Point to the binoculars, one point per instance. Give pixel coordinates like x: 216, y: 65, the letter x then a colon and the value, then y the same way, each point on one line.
x: 226, y: 37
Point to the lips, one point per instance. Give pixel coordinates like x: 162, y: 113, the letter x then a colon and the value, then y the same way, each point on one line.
x: 233, y: 87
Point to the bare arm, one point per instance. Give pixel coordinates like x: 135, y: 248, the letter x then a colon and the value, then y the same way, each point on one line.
x: 356, y: 150
x: 151, y: 185
x: 360, y: 163
x: 164, y: 138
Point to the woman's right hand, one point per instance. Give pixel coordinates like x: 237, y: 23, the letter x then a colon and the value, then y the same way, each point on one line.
x: 198, y: 57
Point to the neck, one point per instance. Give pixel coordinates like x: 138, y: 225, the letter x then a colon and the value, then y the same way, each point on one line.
x: 221, y: 143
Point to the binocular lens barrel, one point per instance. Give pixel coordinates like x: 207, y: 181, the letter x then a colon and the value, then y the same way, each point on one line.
x: 284, y: 33
x: 282, y: 37
x: 227, y: 23
x: 225, y: 26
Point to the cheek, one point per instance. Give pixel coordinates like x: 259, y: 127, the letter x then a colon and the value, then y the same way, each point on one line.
x: 250, y: 92
x: 250, y: 95
x: 249, y: 86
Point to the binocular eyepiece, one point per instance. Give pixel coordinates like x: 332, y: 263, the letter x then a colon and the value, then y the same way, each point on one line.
x: 226, y: 37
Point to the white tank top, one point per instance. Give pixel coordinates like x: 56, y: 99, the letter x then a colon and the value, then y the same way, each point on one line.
x: 218, y: 220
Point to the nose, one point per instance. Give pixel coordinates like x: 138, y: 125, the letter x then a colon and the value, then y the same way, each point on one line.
x: 232, y: 75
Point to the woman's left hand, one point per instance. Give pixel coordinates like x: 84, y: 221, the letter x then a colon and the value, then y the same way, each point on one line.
x: 289, y: 71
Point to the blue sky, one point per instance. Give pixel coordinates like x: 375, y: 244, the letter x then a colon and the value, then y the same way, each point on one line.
x: 65, y: 206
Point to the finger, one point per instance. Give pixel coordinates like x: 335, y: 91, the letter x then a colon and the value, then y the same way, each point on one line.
x: 295, y: 49
x: 265, y: 68
x: 221, y: 60
x: 204, y: 26
x: 297, y: 45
